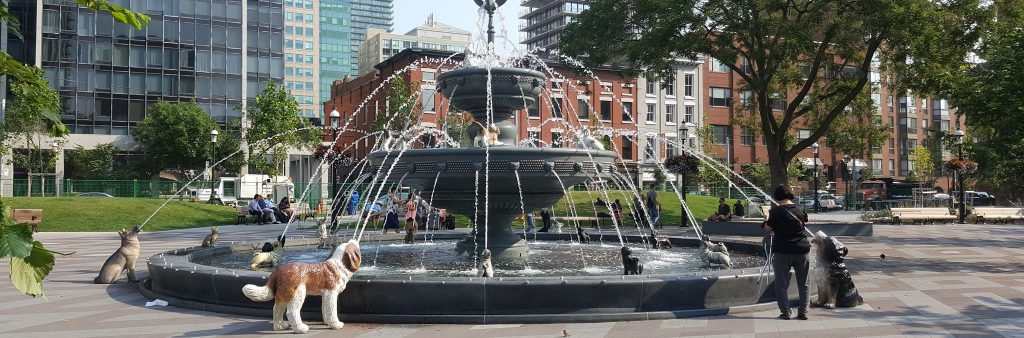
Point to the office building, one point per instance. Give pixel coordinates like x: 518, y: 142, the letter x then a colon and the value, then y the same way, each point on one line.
x: 343, y: 27
x: 302, y: 54
x: 381, y: 45
x: 542, y: 21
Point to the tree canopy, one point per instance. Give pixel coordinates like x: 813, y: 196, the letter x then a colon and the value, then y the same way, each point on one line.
x: 817, y: 55
x: 276, y: 125
x: 175, y: 135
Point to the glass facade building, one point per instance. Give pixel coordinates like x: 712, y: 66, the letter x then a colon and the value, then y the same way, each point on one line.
x: 216, y: 52
x: 302, y: 54
x: 542, y: 21
x: 343, y: 25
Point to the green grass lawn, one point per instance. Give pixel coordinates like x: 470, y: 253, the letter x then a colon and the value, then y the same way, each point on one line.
x: 110, y: 214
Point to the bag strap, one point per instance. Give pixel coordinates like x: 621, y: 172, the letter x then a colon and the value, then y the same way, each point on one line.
x: 793, y: 215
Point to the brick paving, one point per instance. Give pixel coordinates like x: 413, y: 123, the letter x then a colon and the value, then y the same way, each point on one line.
x: 937, y: 280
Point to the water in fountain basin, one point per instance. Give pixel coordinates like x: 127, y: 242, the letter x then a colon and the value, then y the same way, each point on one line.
x: 548, y: 258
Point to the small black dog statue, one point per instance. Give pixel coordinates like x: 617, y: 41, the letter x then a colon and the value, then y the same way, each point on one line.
x: 410, y: 235
x: 584, y: 237
x: 835, y: 286
x: 631, y: 264
x: 658, y: 242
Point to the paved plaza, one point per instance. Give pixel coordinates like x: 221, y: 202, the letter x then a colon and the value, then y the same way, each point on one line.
x: 936, y: 280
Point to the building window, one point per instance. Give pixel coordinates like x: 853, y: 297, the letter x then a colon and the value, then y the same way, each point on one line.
x: 688, y: 113
x: 688, y: 85
x: 720, y: 97
x: 606, y: 110
x: 746, y: 98
x: 892, y: 167
x: 670, y: 86
x: 718, y: 66
x: 651, y: 110
x: 746, y: 136
x: 582, y: 109
x: 803, y: 134
x: 428, y: 100
x: 719, y: 133
x: 652, y: 87
x: 428, y: 76
x: 876, y: 166
x: 532, y: 110
x: 651, y: 149
x: 778, y: 101
x: 534, y: 137
x: 556, y: 107
x: 670, y: 113
x: 670, y: 146
x: 556, y: 139
x: 627, y: 148
x: 627, y: 112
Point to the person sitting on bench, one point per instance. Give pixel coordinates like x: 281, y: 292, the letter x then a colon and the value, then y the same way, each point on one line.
x: 723, y: 213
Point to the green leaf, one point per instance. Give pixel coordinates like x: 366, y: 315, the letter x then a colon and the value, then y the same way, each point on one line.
x: 27, y: 274
x: 15, y: 240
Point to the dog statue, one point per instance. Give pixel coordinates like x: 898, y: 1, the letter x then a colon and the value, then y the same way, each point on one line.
x: 631, y: 264
x: 323, y: 234
x: 122, y: 259
x: 712, y: 257
x: 835, y: 286
x: 584, y: 237
x: 588, y: 141
x: 269, y: 254
x: 658, y: 242
x: 715, y: 247
x: 211, y: 239
x: 289, y: 284
x: 486, y: 268
x: 410, y: 234
x: 479, y: 135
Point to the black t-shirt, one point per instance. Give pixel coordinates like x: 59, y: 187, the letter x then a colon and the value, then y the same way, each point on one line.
x: 723, y: 209
x: 790, y: 237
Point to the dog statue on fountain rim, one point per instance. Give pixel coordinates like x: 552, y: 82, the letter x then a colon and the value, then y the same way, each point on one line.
x: 211, y: 239
x: 480, y: 136
x: 835, y: 286
x: 269, y: 254
x: 486, y: 268
x: 659, y: 242
x: 583, y: 235
x: 122, y: 259
x: 289, y: 285
x: 714, y: 254
x: 631, y: 264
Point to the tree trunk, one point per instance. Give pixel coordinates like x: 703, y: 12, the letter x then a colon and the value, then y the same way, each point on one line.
x: 779, y: 170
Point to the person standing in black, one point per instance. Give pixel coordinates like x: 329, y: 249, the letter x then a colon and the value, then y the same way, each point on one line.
x: 545, y: 218
x: 791, y: 248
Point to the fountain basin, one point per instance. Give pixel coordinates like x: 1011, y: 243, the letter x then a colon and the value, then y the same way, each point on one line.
x: 511, y: 89
x: 174, y: 277
x: 448, y: 179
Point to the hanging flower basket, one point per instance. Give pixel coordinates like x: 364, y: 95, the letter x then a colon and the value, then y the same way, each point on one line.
x: 683, y: 164
x: 964, y: 166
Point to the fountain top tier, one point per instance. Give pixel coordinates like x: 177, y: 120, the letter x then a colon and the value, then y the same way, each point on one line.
x: 510, y: 89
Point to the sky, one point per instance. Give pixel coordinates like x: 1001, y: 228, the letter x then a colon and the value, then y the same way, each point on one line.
x: 459, y: 13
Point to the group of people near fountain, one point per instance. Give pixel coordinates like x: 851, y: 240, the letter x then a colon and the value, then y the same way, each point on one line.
x: 267, y: 212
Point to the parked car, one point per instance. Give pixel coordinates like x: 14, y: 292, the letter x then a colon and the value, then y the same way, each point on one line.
x: 808, y: 202
x: 94, y: 194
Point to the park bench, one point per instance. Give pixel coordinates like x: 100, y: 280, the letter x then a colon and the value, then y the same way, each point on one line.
x: 32, y: 217
x: 900, y: 215
x: 829, y: 205
x: 243, y: 215
x: 1003, y: 215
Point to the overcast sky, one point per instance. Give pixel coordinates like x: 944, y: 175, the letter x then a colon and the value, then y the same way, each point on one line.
x: 458, y: 13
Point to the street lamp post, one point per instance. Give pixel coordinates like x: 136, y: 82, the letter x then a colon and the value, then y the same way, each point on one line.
x: 213, y: 157
x: 334, y: 119
x: 848, y: 160
x: 961, y: 196
x: 684, y: 130
x: 815, y: 178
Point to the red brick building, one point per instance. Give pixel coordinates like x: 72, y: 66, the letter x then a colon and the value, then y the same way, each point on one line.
x: 603, y: 101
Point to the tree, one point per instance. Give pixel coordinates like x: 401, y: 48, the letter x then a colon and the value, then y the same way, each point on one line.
x: 99, y: 163
x: 659, y: 177
x: 175, y: 135
x: 814, y: 55
x: 924, y: 166
x: 276, y: 122
x: 757, y: 173
x: 402, y: 108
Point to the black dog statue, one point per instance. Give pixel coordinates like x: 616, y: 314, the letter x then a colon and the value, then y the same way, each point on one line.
x: 584, y: 237
x: 658, y: 242
x: 631, y: 264
x: 835, y: 286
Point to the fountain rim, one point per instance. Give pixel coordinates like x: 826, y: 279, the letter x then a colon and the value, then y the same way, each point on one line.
x: 182, y: 259
x: 495, y: 151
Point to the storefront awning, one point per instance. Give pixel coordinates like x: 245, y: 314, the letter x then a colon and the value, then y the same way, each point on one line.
x: 649, y: 177
x: 856, y: 162
x: 808, y: 162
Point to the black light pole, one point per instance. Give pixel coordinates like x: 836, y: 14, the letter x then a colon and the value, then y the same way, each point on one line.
x: 334, y: 119
x: 213, y: 157
x: 684, y: 130
x: 815, y: 148
x: 962, y: 210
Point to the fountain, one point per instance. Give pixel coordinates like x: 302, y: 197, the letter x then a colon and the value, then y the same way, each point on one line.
x: 491, y: 182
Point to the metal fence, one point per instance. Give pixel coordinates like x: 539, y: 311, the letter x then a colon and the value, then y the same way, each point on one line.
x: 42, y: 186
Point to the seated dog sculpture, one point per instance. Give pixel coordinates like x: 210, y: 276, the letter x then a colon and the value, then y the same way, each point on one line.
x: 486, y: 268
x: 714, y: 254
x: 658, y: 242
x: 122, y: 259
x: 211, y: 239
x: 631, y: 264
x: 835, y: 286
x: 583, y: 236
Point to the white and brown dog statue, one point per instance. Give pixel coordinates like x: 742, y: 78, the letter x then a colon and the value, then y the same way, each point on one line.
x: 486, y: 268
x: 714, y: 254
x: 122, y: 259
x: 835, y: 286
x: 211, y: 239
x: 289, y: 285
